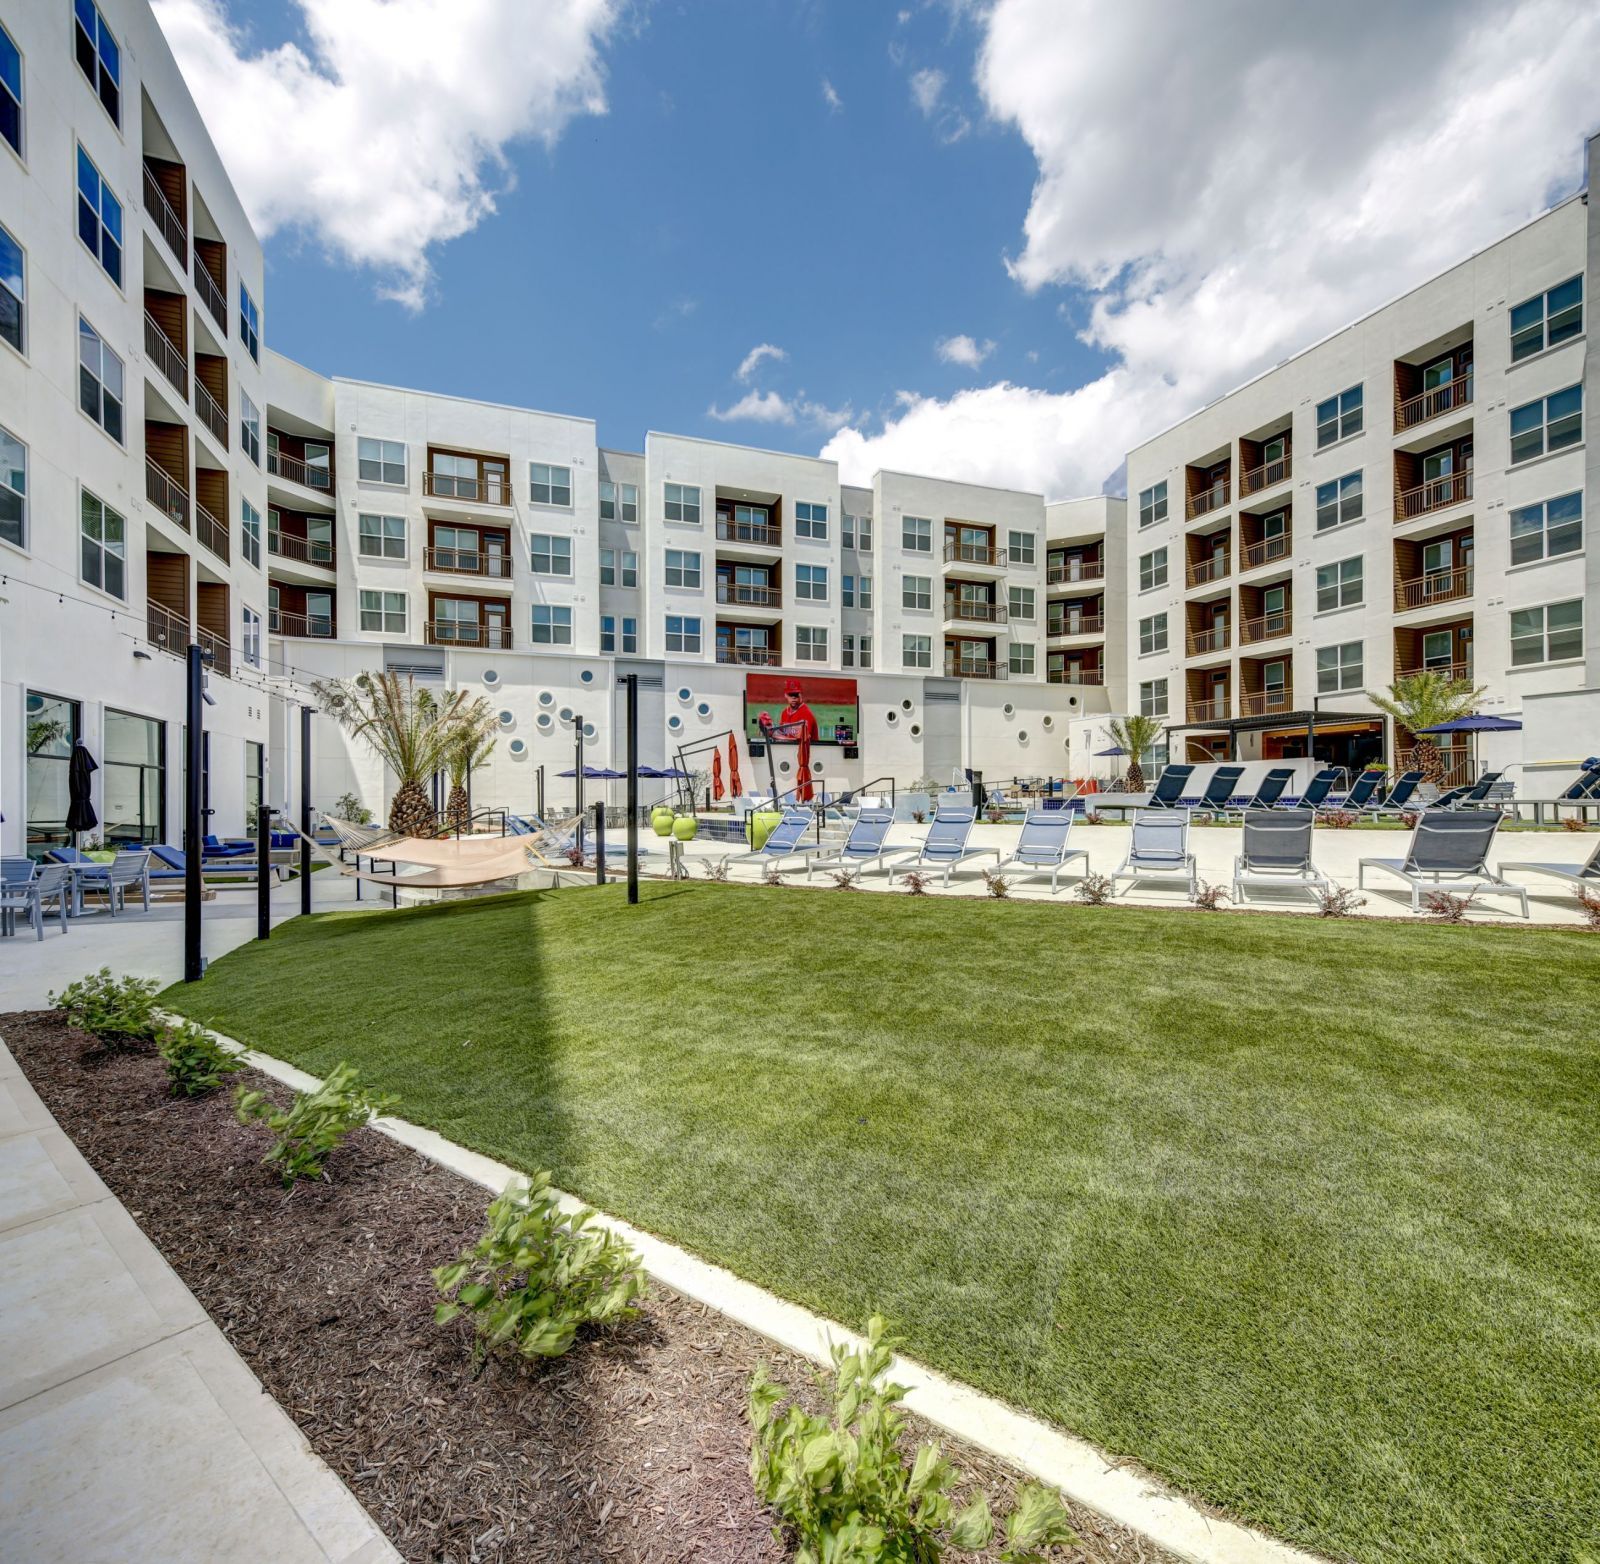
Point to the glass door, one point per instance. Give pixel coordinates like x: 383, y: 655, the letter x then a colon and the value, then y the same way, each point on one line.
x: 1274, y: 610
x: 496, y: 483
x: 456, y: 619
x: 496, y: 628
x: 319, y: 539
x: 1438, y: 564
x: 319, y: 613
x: 319, y: 474
x: 54, y: 726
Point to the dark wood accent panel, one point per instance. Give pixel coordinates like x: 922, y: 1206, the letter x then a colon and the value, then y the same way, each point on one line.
x: 170, y: 311
x: 167, y: 582
x: 211, y: 609
x: 167, y: 445
x: 211, y: 490
x: 170, y: 177
x: 213, y: 255
x: 212, y: 372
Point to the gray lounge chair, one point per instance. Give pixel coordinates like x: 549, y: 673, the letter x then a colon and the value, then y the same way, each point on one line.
x: 1160, y: 849
x: 1219, y: 790
x: 1169, y: 787
x: 1042, y: 846
x: 1582, y: 874
x: 127, y: 871
x: 784, y: 842
x: 33, y: 892
x: 1277, y: 851
x: 1473, y: 793
x: 946, y: 846
x: 865, y: 847
x: 1448, y: 852
x: 1317, y: 789
x: 1400, y: 795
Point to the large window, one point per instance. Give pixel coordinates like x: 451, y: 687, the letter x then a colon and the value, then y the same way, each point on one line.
x: 683, y: 569
x: 811, y: 643
x: 1548, y: 424
x: 1550, y: 634
x: 864, y: 592
x: 381, y: 537
x: 1339, y: 668
x: 99, y: 218
x: 552, y: 624
x: 1153, y: 504
x: 133, y: 785
x: 251, y: 627
x: 13, y: 321
x: 1546, y: 319
x: 1339, y: 500
x: 550, y: 554
x: 104, y: 551
x: 683, y: 633
x: 619, y: 569
x: 1339, y: 585
x: 1152, y: 569
x: 1339, y: 417
x: 811, y: 583
x: 381, y: 461
x: 250, y: 427
x: 1022, y: 548
x: 1022, y: 657
x: 13, y: 489
x: 916, y: 592
x: 550, y: 485
x: 99, y: 381
x: 10, y: 92
x: 916, y: 651
x: 1153, y: 698
x: 619, y: 501
x: 1153, y: 633
x: 98, y: 56
x: 1021, y: 602
x: 916, y: 534
x: 250, y: 532
x: 1547, y: 530
x: 682, y: 501
x: 54, y: 725
x: 384, y: 612
x: 255, y: 781
x: 810, y: 520
x: 249, y: 324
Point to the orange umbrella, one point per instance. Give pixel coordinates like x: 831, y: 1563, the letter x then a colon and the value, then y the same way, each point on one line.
x: 735, y: 783
x: 716, y: 774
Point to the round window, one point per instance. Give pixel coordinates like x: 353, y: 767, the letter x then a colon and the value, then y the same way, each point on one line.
x: 891, y: 717
x: 916, y: 730
x: 507, y: 718
x: 490, y: 677
x: 1049, y: 722
x: 566, y: 714
x: 588, y: 730
x: 783, y: 766
x: 546, y: 722
x: 685, y: 695
x: 704, y: 708
x: 1009, y: 709
x: 546, y: 698
x: 674, y: 722
x: 518, y: 746
x: 905, y: 705
x: 587, y: 676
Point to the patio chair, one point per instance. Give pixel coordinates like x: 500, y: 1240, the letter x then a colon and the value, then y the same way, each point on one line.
x: 1277, y: 851
x: 866, y: 845
x: 16, y: 874
x: 1160, y: 849
x: 1399, y: 795
x: 1266, y: 796
x: 1586, y: 873
x: 1473, y: 793
x: 784, y: 842
x: 170, y: 866
x: 1042, y: 846
x: 1448, y: 852
x: 1318, y: 788
x: 946, y: 845
x: 1169, y: 788
x: 215, y: 847
x: 128, y: 870
x: 33, y: 893
x: 1360, y: 794
x: 1219, y: 790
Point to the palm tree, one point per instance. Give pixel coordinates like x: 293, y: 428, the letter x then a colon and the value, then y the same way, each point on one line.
x: 410, y: 729
x: 473, y: 745
x: 1134, y: 735
x: 1424, y: 700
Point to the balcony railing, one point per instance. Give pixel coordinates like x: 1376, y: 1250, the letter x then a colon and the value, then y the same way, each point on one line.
x: 221, y: 651
x: 1267, y: 552
x: 1430, y: 404
x: 1212, y: 568
x: 282, y: 465
x: 1453, y: 488
x: 463, y: 632
x: 973, y: 554
x: 1262, y: 703
x: 1203, y: 642
x: 166, y: 629
x: 469, y: 562
x: 475, y: 491
x: 1055, y: 575
x: 308, y: 551
x: 973, y: 668
x: 210, y: 531
x: 1267, y: 476
x: 212, y: 414
x: 166, y: 494
x: 974, y: 611
x: 748, y: 656
x: 1075, y: 676
x: 1266, y: 627
x: 163, y: 353
x: 1211, y: 498
x: 1209, y: 711
x: 210, y: 293
x: 748, y: 594
x: 281, y: 622
x: 168, y: 221
x: 1449, y: 670
x: 758, y: 532
x: 1435, y: 586
x: 1084, y: 624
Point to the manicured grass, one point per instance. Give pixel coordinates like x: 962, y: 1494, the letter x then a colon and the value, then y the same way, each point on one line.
x: 1303, y: 1214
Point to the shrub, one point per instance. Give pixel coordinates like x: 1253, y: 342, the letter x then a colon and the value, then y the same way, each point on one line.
x: 575, y: 857
x: 1338, y: 901
x: 196, y: 1062
x: 348, y: 807
x: 314, y: 1124
x: 1096, y: 890
x: 121, y: 1012
x: 1209, y: 898
x: 1340, y: 819
x: 535, y: 1276
x: 917, y: 882
x: 1409, y: 818
x: 1446, y: 907
x: 999, y: 886
x: 1589, y: 901
x: 1094, y: 817
x: 845, y: 879
x: 842, y: 1483
x: 1572, y: 823
x: 771, y: 874
x: 919, y: 815
x: 717, y: 870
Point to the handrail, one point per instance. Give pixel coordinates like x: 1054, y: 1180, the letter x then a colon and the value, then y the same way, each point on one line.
x: 1059, y: 575
x: 763, y: 533
x: 167, y: 220
x: 1261, y: 703
x: 165, y: 493
x: 476, y: 491
x: 1449, y: 670
x: 212, y: 414
x: 1433, y: 586
x: 210, y: 291
x: 1266, y: 627
x: 309, y: 551
x: 973, y: 554
x: 1208, y: 711
x: 869, y: 787
x: 748, y: 594
x: 220, y: 649
x: 1267, y: 475
x: 164, y: 351
x: 983, y: 669
x: 297, y: 471
x: 469, y: 562
x: 973, y: 611
x: 1090, y: 676
x: 1207, y: 500
x: 210, y: 531
x: 467, y: 632
x: 1085, y: 624
x: 1436, y: 494
x: 1214, y: 639
x: 165, y: 629
x: 316, y: 626
x: 748, y: 656
x: 1254, y: 555
x: 1431, y: 403
x: 1210, y: 568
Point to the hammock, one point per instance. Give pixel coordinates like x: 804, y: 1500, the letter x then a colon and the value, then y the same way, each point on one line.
x: 446, y: 863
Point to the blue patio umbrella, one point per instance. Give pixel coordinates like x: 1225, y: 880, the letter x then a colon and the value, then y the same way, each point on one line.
x: 1116, y: 749
x: 1476, y: 723
x: 595, y: 774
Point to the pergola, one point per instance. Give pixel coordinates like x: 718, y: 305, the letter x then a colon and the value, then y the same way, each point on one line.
x: 1309, y: 720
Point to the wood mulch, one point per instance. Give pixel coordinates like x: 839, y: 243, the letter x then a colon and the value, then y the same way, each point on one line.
x: 633, y: 1447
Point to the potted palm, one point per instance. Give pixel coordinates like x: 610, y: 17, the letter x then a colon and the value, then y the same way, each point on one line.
x: 1419, y: 701
x: 1134, y: 735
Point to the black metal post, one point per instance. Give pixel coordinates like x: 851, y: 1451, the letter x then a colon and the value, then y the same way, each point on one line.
x: 632, y: 682
x: 469, y: 792
x: 193, y: 885
x: 263, y: 870
x: 600, y: 841
x: 577, y: 767
x: 539, y: 797
x: 305, y: 809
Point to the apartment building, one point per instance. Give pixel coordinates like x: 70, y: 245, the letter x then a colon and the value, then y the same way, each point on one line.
x: 131, y: 479
x: 1409, y: 494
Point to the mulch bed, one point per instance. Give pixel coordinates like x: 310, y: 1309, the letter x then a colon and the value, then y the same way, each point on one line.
x: 634, y: 1447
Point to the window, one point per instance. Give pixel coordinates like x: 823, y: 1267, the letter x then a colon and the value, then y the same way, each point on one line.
x: 608, y: 632
x: 1339, y: 501
x: 381, y: 461
x: 550, y: 485
x: 104, y: 547
x: 134, y: 787
x: 1548, y: 424
x: 1153, y: 504
x: 1339, y: 417
x: 1340, y: 585
x: 1022, y: 657
x: 1022, y: 545
x: 683, y: 630
x: 811, y: 643
x: 855, y: 531
x: 630, y: 504
x: 916, y: 592
x: 98, y: 56
x: 856, y: 651
x: 11, y: 293
x: 847, y: 650
x: 1339, y: 668
x: 1546, y: 319
x: 811, y: 583
x: 630, y: 636
x: 99, y: 218
x: 683, y: 503
x: 630, y: 568
x: 608, y: 500
x: 1153, y: 698
x: 863, y: 533
x: 1153, y: 633
x: 916, y: 651
x: 550, y: 555
x: 847, y: 591
x: 249, y: 324
x: 810, y: 521
x: 683, y: 569
x: 1021, y: 602
x: 384, y: 612
x: 13, y: 489
x: 99, y: 381
x: 864, y: 592
x: 252, y: 636
x: 1544, y: 531
x: 1550, y: 634
x: 381, y: 537
x: 10, y: 92
x: 250, y: 427
x: 250, y: 532
x: 1152, y: 570
x: 608, y: 567
x: 916, y: 534
x: 619, y: 501
x: 552, y: 624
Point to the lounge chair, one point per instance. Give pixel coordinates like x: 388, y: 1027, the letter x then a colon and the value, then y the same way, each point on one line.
x: 1219, y: 790
x: 783, y: 842
x: 170, y: 866
x: 946, y: 845
x: 1042, y: 847
x: 1586, y: 873
x: 32, y: 891
x: 1473, y: 793
x: 1160, y: 849
x: 1360, y: 794
x: 865, y: 847
x: 1277, y: 851
x: 1317, y: 789
x: 1585, y: 793
x: 1448, y: 852
x: 215, y: 847
x: 1273, y: 786
x: 129, y: 870
x: 1169, y: 788
x: 1399, y: 797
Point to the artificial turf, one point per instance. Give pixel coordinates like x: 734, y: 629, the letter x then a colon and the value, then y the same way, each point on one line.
x: 1302, y: 1214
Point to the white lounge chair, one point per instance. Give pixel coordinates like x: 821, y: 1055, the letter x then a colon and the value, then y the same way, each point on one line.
x: 1277, y: 851
x: 784, y: 842
x: 1585, y: 874
x: 946, y: 846
x: 1160, y: 849
x: 865, y: 847
x: 1042, y: 846
x: 1448, y: 852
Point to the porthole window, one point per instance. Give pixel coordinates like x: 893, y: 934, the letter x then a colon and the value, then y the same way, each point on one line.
x: 546, y: 722
x: 518, y: 746
x: 674, y: 722
x: 891, y: 717
x: 1049, y: 722
x: 566, y: 714
x: 1009, y: 709
x: 704, y: 708
x: 546, y: 698
x: 783, y: 766
x: 588, y: 730
x: 916, y: 730
x: 905, y: 705
x: 1022, y: 736
x: 507, y: 718
x: 685, y: 695
x: 490, y: 677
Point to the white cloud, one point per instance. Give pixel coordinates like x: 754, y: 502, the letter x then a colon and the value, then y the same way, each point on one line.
x: 769, y: 407
x: 390, y: 135
x: 753, y: 360
x: 1287, y: 180
x: 963, y: 350
x: 830, y: 96
x: 927, y: 87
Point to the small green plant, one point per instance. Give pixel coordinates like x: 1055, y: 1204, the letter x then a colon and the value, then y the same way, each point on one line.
x: 916, y: 882
x: 1209, y: 898
x: 841, y: 1483
x: 845, y: 879
x: 348, y: 807
x: 998, y: 885
x: 1589, y: 902
x: 196, y: 1062
x: 121, y: 1012
x: 717, y: 871
x: 536, y: 1276
x: 312, y: 1127
x: 1096, y: 890
x: 1339, y: 901
x: 1447, y: 907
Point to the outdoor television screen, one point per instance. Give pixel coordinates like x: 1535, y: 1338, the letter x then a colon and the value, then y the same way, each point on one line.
x: 786, y: 701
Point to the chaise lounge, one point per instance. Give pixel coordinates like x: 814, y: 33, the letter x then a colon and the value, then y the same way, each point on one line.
x: 1448, y: 852
x: 1042, y: 846
x: 1160, y: 850
x: 1277, y: 851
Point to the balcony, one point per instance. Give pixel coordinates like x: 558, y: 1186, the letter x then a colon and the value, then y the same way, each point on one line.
x: 974, y: 668
x: 1266, y: 627
x: 748, y: 594
x: 1434, y: 586
x: 974, y: 554
x: 469, y: 562
x: 471, y: 491
x: 164, y: 354
x: 217, y: 649
x: 1212, y: 567
x: 1266, y: 476
x: 167, y: 221
x: 210, y: 531
x: 1264, y: 703
x: 291, y: 468
x: 748, y: 656
x: 166, y: 494
x: 1214, y: 494
x: 1267, y: 551
x: 1089, y: 676
x: 762, y: 534
x: 210, y: 292
x: 1075, y: 570
x: 1205, y: 642
x: 464, y: 632
x: 315, y: 626
x: 1416, y: 410
x: 1214, y: 710
x: 974, y: 611
x: 1436, y: 494
x: 1453, y: 670
x: 1083, y: 624
x: 165, y: 629
x: 304, y: 551
x: 211, y: 413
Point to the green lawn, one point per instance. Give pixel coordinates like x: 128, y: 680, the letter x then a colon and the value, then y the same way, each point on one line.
x: 1303, y: 1214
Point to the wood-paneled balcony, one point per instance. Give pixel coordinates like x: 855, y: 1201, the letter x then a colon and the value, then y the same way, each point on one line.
x: 209, y: 291
x: 211, y: 413
x: 1083, y: 624
x: 1265, y: 703
x: 166, y: 494
x: 210, y: 531
x: 466, y: 632
x: 975, y: 611
x: 1428, y: 405
x: 974, y: 554
x: 975, y: 668
x: 165, y: 354
x: 1088, y: 676
x: 304, y: 551
x: 748, y: 656
x: 1266, y: 627
x: 1075, y: 570
x: 1215, y: 709
x: 762, y: 534
x: 469, y: 562
x: 474, y: 491
x: 1266, y: 475
x: 218, y: 649
x: 1436, y: 494
x: 1208, y: 640
x: 281, y: 465
x: 1209, y: 567
x: 1266, y: 551
x: 286, y: 622
x: 1453, y: 670
x: 168, y: 223
x: 1214, y: 496
x: 1434, y: 586
x: 165, y: 628
x: 749, y: 594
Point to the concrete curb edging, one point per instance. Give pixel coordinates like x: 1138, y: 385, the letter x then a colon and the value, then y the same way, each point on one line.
x: 1061, y: 1460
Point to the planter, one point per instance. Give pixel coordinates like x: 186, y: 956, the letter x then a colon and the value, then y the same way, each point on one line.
x: 685, y: 828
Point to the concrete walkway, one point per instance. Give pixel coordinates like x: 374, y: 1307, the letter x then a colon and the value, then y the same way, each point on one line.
x: 129, y: 1428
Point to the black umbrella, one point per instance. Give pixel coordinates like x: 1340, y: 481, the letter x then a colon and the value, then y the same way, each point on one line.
x: 80, y: 812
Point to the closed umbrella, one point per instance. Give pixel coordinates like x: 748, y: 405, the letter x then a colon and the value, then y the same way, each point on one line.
x: 735, y: 782
x: 80, y: 812
x: 804, y: 792
x: 716, y: 775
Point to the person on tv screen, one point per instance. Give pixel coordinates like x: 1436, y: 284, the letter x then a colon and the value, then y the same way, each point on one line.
x: 796, y: 721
